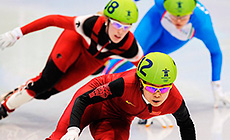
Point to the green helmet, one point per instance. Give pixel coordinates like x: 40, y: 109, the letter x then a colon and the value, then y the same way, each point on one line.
x: 122, y: 10
x: 157, y: 68
x: 180, y: 7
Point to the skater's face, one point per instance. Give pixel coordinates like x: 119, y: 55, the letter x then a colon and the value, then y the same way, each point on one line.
x: 156, y: 94
x: 117, y: 30
x: 179, y: 21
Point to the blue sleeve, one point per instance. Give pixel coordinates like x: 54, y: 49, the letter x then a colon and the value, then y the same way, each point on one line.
x: 149, y: 29
x: 205, y: 32
x: 160, y: 6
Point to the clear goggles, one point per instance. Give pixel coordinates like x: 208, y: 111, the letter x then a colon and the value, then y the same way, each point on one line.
x: 119, y: 25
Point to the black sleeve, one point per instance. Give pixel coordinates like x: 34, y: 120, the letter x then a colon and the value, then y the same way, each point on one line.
x: 132, y: 51
x: 101, y: 93
x: 89, y: 24
x: 187, y: 129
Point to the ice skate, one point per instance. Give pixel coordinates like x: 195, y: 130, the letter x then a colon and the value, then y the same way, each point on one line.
x: 4, y: 96
x: 3, y: 112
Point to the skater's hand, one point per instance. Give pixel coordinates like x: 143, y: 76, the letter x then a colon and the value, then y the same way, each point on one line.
x: 163, y: 120
x: 219, y: 96
x: 9, y: 38
x: 72, y: 134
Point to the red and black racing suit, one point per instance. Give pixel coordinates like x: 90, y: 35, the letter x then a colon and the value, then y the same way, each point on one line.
x: 82, y: 48
x: 109, y: 104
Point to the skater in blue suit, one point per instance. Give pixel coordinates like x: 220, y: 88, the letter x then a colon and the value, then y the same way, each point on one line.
x: 174, y: 23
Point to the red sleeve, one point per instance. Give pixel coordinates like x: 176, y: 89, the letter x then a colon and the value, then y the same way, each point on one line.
x: 60, y: 21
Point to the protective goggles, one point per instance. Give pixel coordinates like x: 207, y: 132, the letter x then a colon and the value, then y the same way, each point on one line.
x: 154, y: 89
x: 118, y: 25
x: 179, y: 17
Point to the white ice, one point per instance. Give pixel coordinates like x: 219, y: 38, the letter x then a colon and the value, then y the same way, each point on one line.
x: 37, y: 119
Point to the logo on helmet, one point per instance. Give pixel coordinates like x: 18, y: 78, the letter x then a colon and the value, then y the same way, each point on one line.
x: 128, y: 13
x: 179, y: 4
x: 179, y: 8
x: 166, y: 77
x: 128, y: 16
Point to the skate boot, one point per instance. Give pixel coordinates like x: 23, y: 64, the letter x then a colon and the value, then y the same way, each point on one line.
x: 3, y: 97
x: 3, y: 112
x: 16, y: 98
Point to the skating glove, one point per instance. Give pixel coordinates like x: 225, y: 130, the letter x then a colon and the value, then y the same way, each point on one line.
x: 9, y: 38
x: 72, y: 134
x: 219, y: 95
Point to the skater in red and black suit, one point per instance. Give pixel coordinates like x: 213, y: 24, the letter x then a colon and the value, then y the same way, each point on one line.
x: 109, y: 103
x: 86, y: 43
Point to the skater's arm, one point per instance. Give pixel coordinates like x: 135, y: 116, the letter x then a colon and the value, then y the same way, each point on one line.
x: 65, y: 22
x: 133, y: 54
x: 101, y: 93
x: 9, y: 38
x: 187, y: 129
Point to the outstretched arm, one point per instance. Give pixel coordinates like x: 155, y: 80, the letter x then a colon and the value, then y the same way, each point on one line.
x: 9, y: 38
x: 101, y: 93
x: 60, y: 21
x: 187, y: 129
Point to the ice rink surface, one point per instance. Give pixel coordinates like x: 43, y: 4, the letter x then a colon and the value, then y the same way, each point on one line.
x: 37, y: 119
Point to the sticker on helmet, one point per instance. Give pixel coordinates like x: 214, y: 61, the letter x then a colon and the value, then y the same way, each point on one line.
x: 145, y: 66
x: 166, y: 76
x: 112, y: 6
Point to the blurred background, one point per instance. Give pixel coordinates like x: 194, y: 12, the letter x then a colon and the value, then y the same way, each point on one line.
x: 37, y: 119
